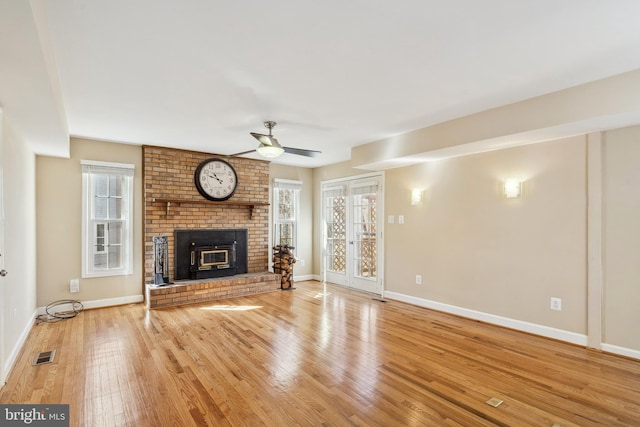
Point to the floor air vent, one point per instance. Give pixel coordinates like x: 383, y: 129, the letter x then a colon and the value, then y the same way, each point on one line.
x: 44, y: 357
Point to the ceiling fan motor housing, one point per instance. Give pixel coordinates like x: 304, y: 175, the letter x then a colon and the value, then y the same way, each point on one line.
x: 269, y: 124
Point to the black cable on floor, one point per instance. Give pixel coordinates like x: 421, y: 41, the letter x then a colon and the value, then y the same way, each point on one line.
x: 51, y: 317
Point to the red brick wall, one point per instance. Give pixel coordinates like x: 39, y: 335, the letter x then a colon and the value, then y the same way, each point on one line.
x: 168, y: 174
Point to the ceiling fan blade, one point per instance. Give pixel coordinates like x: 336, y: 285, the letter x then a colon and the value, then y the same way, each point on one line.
x: 264, y: 139
x: 301, y: 152
x: 243, y: 152
x: 270, y: 147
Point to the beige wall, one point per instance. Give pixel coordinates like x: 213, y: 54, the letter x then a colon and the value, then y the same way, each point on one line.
x: 304, y: 248
x: 59, y: 231
x: 621, y: 236
x: 18, y: 291
x: 477, y: 250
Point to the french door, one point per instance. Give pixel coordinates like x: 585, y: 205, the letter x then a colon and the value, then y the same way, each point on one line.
x: 352, y: 218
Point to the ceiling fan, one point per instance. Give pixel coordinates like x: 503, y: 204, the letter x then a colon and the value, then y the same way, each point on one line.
x: 270, y: 147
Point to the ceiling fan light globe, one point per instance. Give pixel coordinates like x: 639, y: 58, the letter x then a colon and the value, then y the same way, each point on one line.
x: 270, y: 151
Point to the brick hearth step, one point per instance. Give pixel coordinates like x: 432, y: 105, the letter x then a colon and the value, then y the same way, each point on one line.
x: 195, y: 291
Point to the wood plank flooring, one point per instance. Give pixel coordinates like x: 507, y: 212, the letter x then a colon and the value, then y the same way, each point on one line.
x: 318, y: 355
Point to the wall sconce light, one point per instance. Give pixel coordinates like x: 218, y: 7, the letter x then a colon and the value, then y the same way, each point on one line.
x: 417, y: 196
x: 512, y: 188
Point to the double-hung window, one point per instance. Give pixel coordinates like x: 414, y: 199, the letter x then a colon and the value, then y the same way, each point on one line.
x: 107, y: 219
x: 286, y: 202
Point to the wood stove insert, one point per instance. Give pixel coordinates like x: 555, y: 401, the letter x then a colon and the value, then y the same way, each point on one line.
x: 207, y: 253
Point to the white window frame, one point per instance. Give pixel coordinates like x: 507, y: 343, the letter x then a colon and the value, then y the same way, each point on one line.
x: 90, y: 224
x: 287, y: 184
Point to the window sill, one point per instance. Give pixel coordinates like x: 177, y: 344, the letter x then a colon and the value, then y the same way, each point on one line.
x: 106, y: 274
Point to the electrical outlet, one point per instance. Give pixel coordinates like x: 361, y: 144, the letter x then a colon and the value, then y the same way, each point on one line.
x: 391, y: 219
x: 74, y: 286
x: 418, y: 279
x: 400, y: 219
x: 300, y: 262
x: 556, y: 304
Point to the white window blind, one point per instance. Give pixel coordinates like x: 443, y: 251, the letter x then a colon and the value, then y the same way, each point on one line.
x: 333, y: 192
x: 364, y: 188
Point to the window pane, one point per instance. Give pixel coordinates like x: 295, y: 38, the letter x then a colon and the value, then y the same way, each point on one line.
x: 115, y: 233
x: 286, y: 205
x: 336, y: 264
x: 100, y: 185
x: 285, y: 234
x: 100, y: 261
x: 100, y: 207
x: 115, y: 208
x: 335, y: 215
x: 365, y: 256
x: 115, y: 186
x: 100, y: 238
x: 100, y: 230
x: 115, y: 260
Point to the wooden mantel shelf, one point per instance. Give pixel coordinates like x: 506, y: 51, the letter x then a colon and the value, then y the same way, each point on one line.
x: 236, y: 203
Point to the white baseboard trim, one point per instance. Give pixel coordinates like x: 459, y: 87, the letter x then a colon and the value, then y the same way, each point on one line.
x: 303, y: 278
x: 519, y: 325
x: 108, y: 302
x: 15, y: 351
x: 621, y: 351
x: 99, y: 303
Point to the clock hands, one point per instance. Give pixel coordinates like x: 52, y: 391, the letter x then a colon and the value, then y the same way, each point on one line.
x: 216, y: 178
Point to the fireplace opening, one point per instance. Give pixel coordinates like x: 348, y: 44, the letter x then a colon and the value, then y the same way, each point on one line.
x: 201, y: 254
x: 216, y: 256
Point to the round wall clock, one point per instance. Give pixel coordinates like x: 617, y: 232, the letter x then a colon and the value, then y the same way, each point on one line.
x: 216, y: 179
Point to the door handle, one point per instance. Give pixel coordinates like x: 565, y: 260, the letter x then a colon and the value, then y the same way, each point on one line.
x: 3, y: 272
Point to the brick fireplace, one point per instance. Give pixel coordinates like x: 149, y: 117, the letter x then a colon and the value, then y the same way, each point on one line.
x: 172, y: 202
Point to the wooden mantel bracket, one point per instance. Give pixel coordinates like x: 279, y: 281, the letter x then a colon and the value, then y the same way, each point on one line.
x: 235, y: 203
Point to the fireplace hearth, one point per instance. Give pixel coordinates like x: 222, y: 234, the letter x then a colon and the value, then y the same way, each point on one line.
x: 208, y: 253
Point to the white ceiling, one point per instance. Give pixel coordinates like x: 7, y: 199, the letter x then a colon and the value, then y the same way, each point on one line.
x: 202, y: 74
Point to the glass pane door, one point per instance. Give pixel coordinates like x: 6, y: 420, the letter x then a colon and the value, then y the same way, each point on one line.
x: 335, y: 216
x: 352, y: 233
x: 364, y: 235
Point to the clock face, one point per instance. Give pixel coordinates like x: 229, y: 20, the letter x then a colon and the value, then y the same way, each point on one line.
x: 216, y: 179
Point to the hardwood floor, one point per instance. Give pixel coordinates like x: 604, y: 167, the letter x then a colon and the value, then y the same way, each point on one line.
x: 318, y: 355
